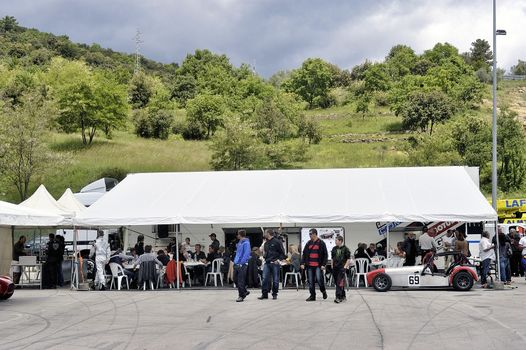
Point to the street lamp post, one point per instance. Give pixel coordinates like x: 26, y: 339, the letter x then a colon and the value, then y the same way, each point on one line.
x: 494, y: 129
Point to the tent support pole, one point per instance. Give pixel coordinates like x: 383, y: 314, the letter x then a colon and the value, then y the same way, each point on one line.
x: 126, y: 239
x: 388, y: 248
x: 497, y: 263
x: 75, y: 270
x: 178, y: 263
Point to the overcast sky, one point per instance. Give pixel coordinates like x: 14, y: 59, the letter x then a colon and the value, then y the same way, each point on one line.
x: 278, y: 34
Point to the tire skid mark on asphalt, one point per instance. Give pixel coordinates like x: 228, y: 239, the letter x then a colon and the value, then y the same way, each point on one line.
x: 47, y: 325
x: 430, y: 319
x: 69, y: 326
x: 351, y: 314
x: 374, y: 320
x: 236, y: 329
x: 500, y: 323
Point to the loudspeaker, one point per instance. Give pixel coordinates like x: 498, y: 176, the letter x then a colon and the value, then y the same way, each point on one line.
x: 162, y: 231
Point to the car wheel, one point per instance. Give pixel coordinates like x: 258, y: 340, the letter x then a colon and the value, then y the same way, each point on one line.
x: 382, y: 282
x: 463, y: 281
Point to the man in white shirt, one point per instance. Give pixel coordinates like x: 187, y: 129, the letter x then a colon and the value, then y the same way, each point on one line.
x: 448, y: 242
x: 427, y: 243
x: 522, y: 245
x: 487, y: 254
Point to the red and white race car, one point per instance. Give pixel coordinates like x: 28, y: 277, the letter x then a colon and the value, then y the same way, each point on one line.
x: 7, y: 287
x: 459, y: 275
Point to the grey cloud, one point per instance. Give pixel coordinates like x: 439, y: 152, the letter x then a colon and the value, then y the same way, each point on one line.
x: 275, y: 34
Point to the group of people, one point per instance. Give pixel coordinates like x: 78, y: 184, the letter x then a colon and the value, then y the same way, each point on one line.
x: 511, y: 255
x: 313, y: 261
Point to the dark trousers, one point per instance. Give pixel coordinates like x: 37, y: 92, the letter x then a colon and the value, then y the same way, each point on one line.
x: 269, y: 269
x: 410, y: 260
x: 49, y: 275
x: 338, y: 274
x: 515, y: 264
x: 314, y: 275
x: 60, y: 274
x: 240, y: 279
x: 484, y: 270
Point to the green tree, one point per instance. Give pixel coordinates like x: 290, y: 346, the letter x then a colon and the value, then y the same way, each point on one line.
x: 480, y: 55
x: 376, y: 78
x: 511, y: 149
x: 362, y: 104
x: 23, y: 135
x: 141, y: 89
x: 8, y: 24
x: 237, y: 147
x: 312, y: 82
x: 424, y: 110
x: 207, y: 111
x: 87, y: 101
x: 519, y: 68
x: 157, y: 118
x: 400, y: 61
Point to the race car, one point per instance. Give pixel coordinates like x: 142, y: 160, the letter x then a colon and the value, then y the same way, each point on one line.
x: 460, y: 275
x: 7, y: 287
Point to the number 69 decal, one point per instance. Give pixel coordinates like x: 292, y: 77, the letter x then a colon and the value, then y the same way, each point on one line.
x: 413, y: 280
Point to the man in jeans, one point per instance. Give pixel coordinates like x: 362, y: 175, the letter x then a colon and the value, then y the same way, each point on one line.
x: 273, y: 253
x: 487, y: 254
x: 341, y: 258
x: 314, y: 259
x: 241, y: 265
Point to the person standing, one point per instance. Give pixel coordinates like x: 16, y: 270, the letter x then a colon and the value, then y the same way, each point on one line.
x: 139, y: 246
x: 102, y: 253
x: 515, y: 260
x: 427, y: 243
x: 49, y: 273
x: 341, y: 258
x: 522, y: 245
x: 314, y: 259
x: 504, y: 256
x: 448, y: 243
x: 241, y: 265
x: 487, y: 254
x: 18, y: 251
x: 215, y: 243
x: 273, y: 252
x: 410, y: 250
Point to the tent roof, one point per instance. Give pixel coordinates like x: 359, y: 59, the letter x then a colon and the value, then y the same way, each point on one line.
x: 70, y: 202
x: 43, y: 200
x: 322, y: 196
x: 17, y: 215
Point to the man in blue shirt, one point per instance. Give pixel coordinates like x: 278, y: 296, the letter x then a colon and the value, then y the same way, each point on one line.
x: 241, y: 265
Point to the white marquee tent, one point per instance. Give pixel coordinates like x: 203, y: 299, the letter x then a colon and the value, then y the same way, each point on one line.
x: 69, y: 202
x: 17, y: 215
x: 41, y: 199
x: 325, y: 196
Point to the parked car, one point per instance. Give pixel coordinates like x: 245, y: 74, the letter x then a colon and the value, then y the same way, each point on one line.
x: 460, y: 275
x: 7, y: 287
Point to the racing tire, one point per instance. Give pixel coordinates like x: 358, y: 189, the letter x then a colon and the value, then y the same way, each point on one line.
x: 463, y: 281
x: 382, y: 282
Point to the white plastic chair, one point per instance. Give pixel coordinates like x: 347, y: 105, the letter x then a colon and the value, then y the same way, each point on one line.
x: 117, y: 272
x: 362, y: 267
x: 295, y: 275
x: 380, y: 257
x: 160, y: 277
x: 188, y: 277
x: 216, y: 271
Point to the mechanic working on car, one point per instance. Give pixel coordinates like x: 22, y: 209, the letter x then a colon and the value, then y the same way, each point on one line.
x: 427, y: 243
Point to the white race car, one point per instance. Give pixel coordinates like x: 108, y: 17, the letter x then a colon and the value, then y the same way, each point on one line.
x: 459, y: 275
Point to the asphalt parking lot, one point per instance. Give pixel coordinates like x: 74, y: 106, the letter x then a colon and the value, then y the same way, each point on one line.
x: 211, y: 319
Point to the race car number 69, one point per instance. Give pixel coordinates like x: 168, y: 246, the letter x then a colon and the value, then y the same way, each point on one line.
x: 414, y: 280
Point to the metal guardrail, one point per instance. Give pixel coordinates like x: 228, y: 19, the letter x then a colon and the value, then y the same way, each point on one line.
x: 514, y: 77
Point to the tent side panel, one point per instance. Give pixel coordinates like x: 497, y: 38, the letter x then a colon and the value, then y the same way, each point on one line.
x: 6, y: 250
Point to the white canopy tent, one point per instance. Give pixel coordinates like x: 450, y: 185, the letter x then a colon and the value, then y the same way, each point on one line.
x: 17, y: 215
x: 41, y: 199
x: 69, y: 202
x: 325, y: 196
